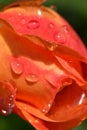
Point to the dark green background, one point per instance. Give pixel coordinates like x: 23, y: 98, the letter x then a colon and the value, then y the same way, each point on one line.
x: 75, y: 11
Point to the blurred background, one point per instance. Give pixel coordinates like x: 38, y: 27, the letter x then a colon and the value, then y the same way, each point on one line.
x: 75, y: 12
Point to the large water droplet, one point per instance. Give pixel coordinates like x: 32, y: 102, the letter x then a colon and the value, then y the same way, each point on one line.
x: 59, y: 37
x: 7, y: 96
x: 33, y: 24
x: 46, y: 108
x: 16, y: 66
x: 31, y: 78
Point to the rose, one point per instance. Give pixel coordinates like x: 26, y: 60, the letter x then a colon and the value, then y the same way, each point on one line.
x: 43, y: 68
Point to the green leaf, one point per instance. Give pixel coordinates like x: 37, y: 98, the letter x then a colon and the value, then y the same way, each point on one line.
x: 5, y: 2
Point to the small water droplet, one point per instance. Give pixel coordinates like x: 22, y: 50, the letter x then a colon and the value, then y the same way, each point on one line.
x: 51, y: 25
x: 51, y: 46
x: 31, y: 78
x: 33, y: 24
x: 65, y: 29
x: 36, y: 121
x: 16, y: 67
x: 46, y: 108
x: 23, y: 21
x: 19, y: 14
x: 82, y: 98
x: 11, y: 19
x: 59, y: 37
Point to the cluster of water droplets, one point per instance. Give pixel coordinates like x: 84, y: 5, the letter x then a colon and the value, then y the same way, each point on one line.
x: 18, y: 68
x: 7, y: 96
x: 33, y: 25
x: 46, y: 108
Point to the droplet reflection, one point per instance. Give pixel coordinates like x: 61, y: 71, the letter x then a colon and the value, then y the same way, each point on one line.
x: 82, y: 98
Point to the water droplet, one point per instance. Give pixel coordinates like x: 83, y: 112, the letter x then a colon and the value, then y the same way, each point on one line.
x: 7, y: 95
x: 36, y: 121
x: 46, y: 108
x: 59, y: 37
x: 65, y: 29
x: 51, y: 25
x: 33, y: 24
x: 51, y: 46
x: 19, y: 14
x: 16, y: 67
x: 31, y: 78
x: 23, y: 21
x: 11, y: 19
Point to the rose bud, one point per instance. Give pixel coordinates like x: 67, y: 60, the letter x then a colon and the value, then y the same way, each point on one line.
x: 43, y: 75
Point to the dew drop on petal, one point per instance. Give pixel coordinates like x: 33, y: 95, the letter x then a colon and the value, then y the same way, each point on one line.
x: 59, y: 37
x: 16, y: 67
x: 7, y: 96
x: 33, y: 24
x: 46, y: 108
x: 51, y: 25
x: 19, y: 14
x: 23, y: 21
x: 11, y: 19
x: 51, y: 46
x: 31, y: 78
x: 65, y: 29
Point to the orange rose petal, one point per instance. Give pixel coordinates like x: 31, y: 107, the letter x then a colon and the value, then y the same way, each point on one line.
x: 37, y: 77
x: 41, y: 75
x: 38, y: 22
x: 42, y: 124
x: 62, y: 125
x: 36, y: 122
x: 71, y: 101
x: 74, y: 105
